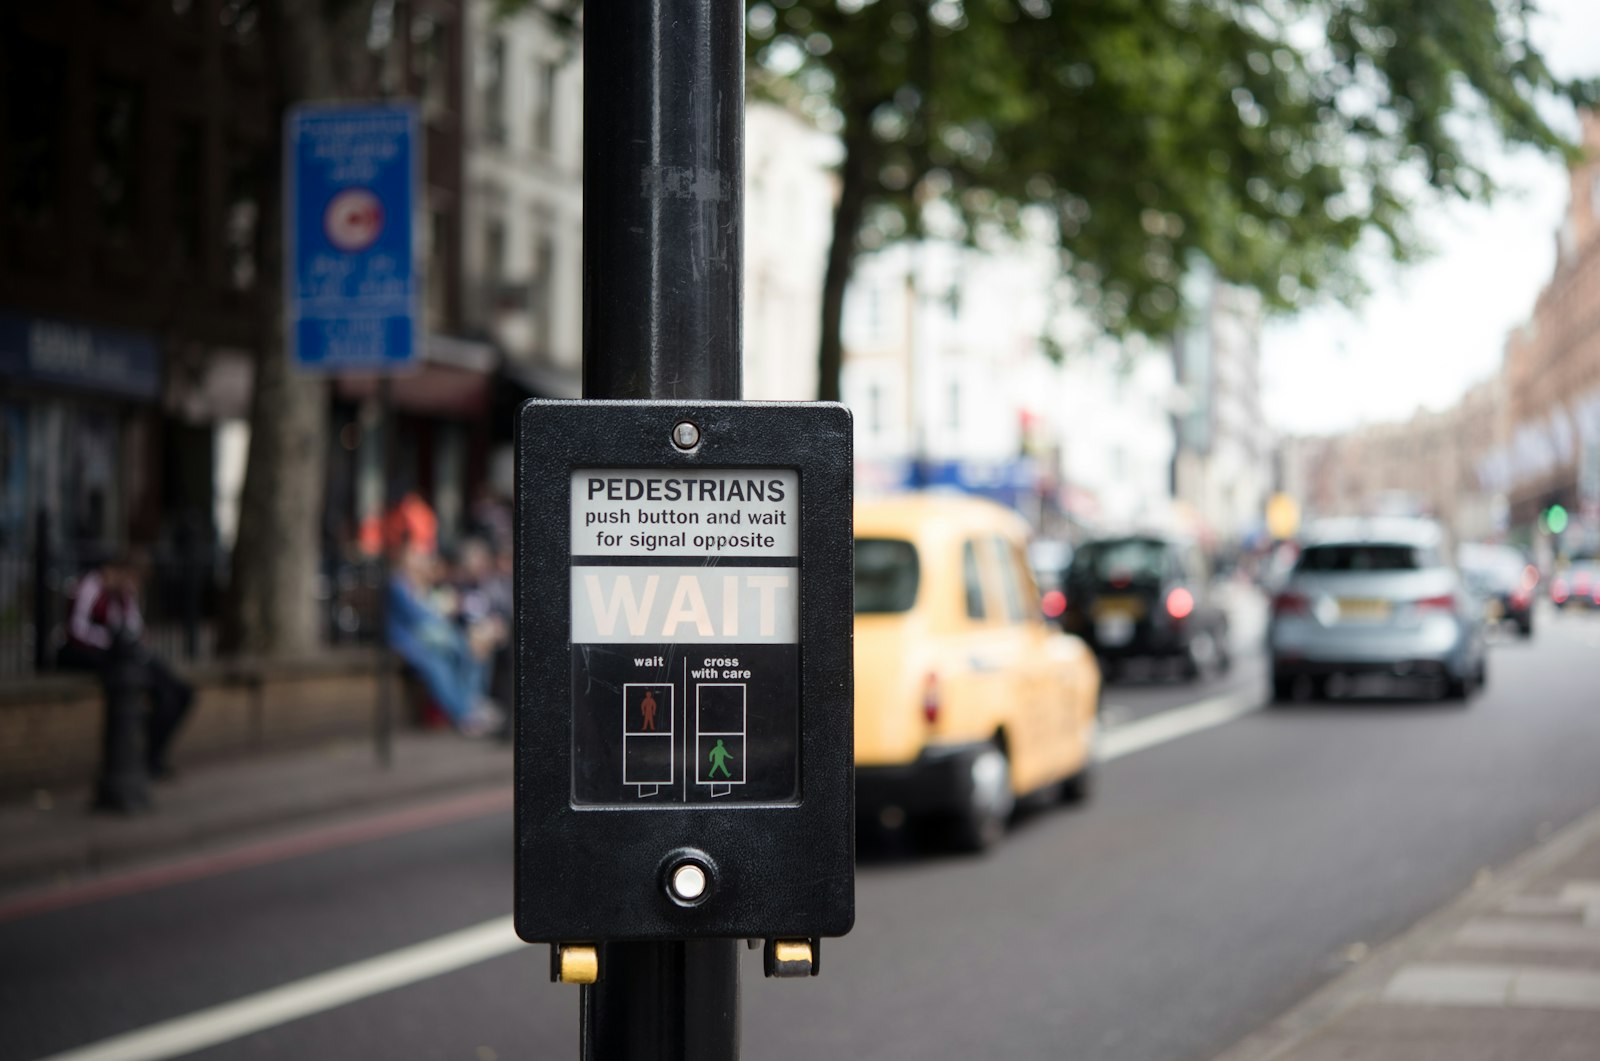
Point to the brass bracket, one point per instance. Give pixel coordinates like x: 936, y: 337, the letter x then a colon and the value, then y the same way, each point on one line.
x: 574, y: 963
x: 792, y: 957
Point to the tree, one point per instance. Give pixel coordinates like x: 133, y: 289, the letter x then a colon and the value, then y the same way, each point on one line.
x: 317, y: 50
x: 1272, y: 137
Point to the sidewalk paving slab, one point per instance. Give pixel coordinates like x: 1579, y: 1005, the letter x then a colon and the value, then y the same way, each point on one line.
x: 1510, y: 971
x: 55, y: 837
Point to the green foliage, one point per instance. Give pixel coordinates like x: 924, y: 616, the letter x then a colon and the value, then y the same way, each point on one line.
x: 1269, y: 136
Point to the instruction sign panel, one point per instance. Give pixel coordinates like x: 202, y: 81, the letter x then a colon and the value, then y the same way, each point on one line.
x: 685, y: 590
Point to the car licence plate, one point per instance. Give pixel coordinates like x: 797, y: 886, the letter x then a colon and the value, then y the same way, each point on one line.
x: 1363, y: 610
x: 1494, y: 611
x: 1114, y: 631
x: 1123, y: 607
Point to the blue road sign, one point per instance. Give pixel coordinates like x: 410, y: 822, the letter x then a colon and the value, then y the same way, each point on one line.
x: 351, y: 291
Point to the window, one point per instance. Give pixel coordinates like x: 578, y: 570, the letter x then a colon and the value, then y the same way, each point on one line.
x: 972, y: 579
x: 113, y: 174
x: 1362, y: 556
x: 953, y: 405
x: 886, y: 576
x: 874, y: 409
x: 494, y: 261
x: 541, y: 286
x: 437, y: 290
x: 544, y: 108
x: 1011, y: 581
x: 492, y: 87
x: 35, y: 100
x: 242, y: 220
x: 432, y: 64
x: 239, y: 17
x: 1122, y: 560
x: 188, y: 164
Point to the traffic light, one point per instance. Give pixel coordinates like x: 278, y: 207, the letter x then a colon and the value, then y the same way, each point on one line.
x: 1555, y: 519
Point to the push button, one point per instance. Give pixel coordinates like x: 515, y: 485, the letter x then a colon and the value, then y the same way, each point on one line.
x: 687, y: 877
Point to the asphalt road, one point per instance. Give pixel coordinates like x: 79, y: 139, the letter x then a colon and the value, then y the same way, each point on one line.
x: 1216, y: 879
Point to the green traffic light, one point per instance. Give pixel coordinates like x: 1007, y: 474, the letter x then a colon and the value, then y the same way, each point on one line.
x: 1555, y: 519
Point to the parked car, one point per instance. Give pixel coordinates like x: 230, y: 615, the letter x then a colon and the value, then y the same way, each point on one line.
x: 1505, y: 582
x: 1146, y: 595
x: 966, y: 698
x: 1375, y: 596
x: 1577, y: 587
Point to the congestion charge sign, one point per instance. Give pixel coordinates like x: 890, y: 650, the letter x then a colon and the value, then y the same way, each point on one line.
x: 685, y: 598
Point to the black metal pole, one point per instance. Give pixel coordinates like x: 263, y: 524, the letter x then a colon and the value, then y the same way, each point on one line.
x: 663, y: 187
x: 42, y: 596
x: 663, y: 266
x: 383, y: 718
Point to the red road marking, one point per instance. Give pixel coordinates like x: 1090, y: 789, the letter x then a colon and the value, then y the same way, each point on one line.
x: 276, y: 849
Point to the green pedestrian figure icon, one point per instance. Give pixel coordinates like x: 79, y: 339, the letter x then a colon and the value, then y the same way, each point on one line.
x: 719, y: 760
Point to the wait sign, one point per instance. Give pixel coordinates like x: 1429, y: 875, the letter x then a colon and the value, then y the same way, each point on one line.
x: 685, y: 594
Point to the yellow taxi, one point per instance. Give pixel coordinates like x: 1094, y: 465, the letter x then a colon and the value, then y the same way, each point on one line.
x: 967, y: 700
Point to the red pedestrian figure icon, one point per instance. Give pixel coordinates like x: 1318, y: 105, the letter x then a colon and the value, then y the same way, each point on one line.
x: 648, y: 706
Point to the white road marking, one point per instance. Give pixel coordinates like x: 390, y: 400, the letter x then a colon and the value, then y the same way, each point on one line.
x: 408, y: 965
x: 314, y: 994
x: 1180, y: 722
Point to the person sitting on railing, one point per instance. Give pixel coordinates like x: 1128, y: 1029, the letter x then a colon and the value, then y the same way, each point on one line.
x: 450, y: 660
x: 105, y: 607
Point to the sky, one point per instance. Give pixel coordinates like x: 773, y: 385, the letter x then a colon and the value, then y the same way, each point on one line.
x: 1430, y: 330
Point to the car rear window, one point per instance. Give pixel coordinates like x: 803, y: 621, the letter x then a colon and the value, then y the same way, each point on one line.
x: 886, y: 576
x: 1363, y: 556
x: 1141, y: 559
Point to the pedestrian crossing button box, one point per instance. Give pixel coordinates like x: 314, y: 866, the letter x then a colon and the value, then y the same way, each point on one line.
x: 684, y: 740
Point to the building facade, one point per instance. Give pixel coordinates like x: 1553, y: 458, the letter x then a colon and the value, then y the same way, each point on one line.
x: 132, y: 143
x: 1222, y: 467
x: 948, y: 371
x: 1434, y: 464
x: 1552, y: 372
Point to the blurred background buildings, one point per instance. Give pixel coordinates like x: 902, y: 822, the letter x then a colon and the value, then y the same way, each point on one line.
x: 1492, y: 465
x: 135, y: 206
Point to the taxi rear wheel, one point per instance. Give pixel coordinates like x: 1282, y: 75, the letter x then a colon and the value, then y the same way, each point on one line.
x: 982, y: 822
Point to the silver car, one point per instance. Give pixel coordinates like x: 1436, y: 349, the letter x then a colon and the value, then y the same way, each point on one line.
x: 1375, y: 596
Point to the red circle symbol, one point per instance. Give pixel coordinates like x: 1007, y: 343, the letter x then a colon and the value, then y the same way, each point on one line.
x: 353, y: 219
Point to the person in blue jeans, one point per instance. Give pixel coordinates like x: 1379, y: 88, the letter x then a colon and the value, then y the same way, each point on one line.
x: 445, y: 657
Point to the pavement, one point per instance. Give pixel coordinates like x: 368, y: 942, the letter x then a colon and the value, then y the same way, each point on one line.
x: 55, y: 838
x: 1508, y: 972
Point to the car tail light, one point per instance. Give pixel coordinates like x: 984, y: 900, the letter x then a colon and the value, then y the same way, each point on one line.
x: 1180, y: 602
x: 1558, y: 591
x: 1291, y: 604
x: 1444, y: 602
x: 1053, y: 603
x: 1521, y: 598
x: 930, y: 699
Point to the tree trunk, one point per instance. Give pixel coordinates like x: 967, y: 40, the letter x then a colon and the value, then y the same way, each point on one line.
x: 272, y: 607
x: 854, y: 183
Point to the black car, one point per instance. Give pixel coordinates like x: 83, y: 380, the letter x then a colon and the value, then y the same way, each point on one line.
x: 1504, y: 580
x: 1147, y: 596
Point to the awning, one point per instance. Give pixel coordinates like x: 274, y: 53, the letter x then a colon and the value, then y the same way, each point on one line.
x: 453, y: 379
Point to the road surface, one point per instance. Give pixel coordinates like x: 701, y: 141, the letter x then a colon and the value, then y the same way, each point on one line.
x: 1226, y: 867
